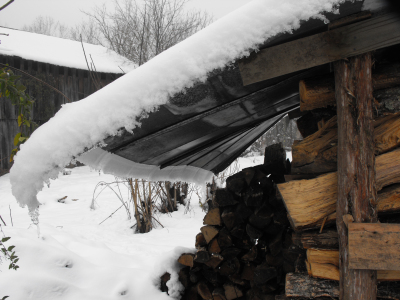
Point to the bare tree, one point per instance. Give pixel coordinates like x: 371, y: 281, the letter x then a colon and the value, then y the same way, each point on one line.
x: 48, y: 26
x: 142, y: 31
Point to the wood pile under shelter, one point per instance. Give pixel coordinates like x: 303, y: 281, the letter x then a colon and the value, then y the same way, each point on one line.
x: 326, y: 225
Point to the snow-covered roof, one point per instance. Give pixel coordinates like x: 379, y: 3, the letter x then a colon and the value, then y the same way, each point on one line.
x: 82, y: 125
x: 61, y: 52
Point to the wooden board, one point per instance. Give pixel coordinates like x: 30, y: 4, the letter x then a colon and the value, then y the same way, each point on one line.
x: 376, y: 33
x: 374, y: 246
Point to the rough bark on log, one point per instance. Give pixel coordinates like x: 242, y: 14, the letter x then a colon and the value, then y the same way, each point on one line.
x: 319, y: 91
x: 318, y: 152
x: 389, y: 101
x: 213, y: 217
x: 357, y: 182
x: 302, y: 285
x: 328, y: 239
x: 308, y: 202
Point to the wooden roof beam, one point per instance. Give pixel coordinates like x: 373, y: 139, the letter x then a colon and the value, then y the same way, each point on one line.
x: 347, y: 41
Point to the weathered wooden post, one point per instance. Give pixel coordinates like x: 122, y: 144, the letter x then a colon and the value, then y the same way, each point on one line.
x: 356, y: 166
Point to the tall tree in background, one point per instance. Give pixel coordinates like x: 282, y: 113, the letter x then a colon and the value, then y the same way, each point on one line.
x: 48, y: 26
x: 135, y: 29
x: 140, y: 31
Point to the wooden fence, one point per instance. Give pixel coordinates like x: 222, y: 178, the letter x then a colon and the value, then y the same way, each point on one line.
x: 74, y: 83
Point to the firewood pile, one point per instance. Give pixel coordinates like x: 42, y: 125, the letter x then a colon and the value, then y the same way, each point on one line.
x: 270, y: 234
x: 244, y: 249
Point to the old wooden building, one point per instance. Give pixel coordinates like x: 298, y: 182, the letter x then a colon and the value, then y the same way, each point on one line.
x: 61, y: 64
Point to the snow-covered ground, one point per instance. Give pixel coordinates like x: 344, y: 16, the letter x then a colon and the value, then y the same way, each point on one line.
x: 76, y: 258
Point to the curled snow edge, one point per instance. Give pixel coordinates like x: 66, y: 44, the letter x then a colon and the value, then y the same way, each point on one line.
x: 82, y: 125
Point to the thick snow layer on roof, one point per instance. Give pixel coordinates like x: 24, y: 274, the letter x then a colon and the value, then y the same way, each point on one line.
x: 81, y: 125
x: 61, y: 52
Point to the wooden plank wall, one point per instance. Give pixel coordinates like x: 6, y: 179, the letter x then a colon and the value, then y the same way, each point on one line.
x: 75, y: 84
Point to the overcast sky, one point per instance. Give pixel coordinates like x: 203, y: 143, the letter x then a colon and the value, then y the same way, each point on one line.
x: 68, y: 12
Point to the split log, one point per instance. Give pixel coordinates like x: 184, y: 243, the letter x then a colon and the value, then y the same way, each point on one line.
x: 312, y: 121
x: 328, y: 239
x: 184, y: 277
x: 331, y: 272
x: 319, y: 91
x: 214, y: 261
x: 186, y: 259
x: 232, y: 291
x: 251, y: 255
x: 213, y: 217
x: 248, y: 272
x: 224, y: 238
x: 164, y: 279
x: 236, y: 183
x: 263, y: 273
x: 275, y: 159
x: 253, y: 232
x: 202, y: 256
x: 261, y: 217
x: 214, y: 247
x: 204, y: 291
x: 323, y: 256
x: 230, y: 267
x: 230, y: 253
x: 191, y: 294
x: 224, y: 197
x: 308, y: 202
x: 209, y: 232
x: 389, y: 199
x: 228, y: 217
x: 274, y: 261
x: 318, y: 152
x: 325, y: 264
x: 219, y: 294
x: 200, y: 241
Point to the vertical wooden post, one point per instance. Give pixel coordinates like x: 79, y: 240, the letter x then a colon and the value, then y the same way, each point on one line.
x: 356, y: 166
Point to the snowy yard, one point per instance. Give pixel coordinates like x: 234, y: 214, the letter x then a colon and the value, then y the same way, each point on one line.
x: 76, y: 258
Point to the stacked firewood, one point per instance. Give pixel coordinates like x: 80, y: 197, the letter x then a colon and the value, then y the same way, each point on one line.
x: 244, y: 249
x: 310, y: 191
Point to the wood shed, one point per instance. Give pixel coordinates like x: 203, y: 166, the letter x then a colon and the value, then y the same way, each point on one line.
x: 324, y: 225
x: 61, y: 64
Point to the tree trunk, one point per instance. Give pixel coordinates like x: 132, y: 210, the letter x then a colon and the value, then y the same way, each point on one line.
x: 356, y: 166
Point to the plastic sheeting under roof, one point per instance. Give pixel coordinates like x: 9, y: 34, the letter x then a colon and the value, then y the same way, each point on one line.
x: 212, y: 123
